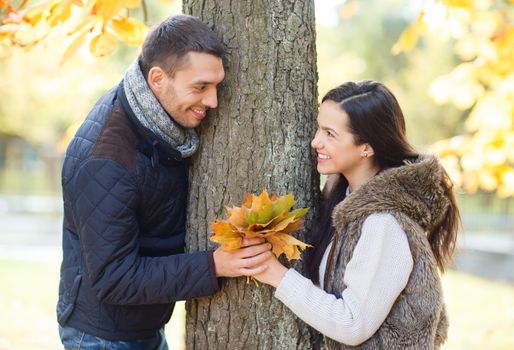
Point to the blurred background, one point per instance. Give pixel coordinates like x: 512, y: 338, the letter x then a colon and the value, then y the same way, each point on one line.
x: 449, y: 62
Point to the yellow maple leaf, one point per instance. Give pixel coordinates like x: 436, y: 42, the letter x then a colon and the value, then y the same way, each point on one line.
x: 36, y: 12
x: 227, y: 235
x: 459, y: 3
x: 103, y: 44
x: 59, y: 13
x: 106, y: 9
x: 409, y: 37
x: 75, y: 44
x: 131, y: 4
x: 129, y: 30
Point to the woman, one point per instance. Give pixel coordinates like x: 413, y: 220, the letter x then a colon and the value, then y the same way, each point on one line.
x: 389, y: 221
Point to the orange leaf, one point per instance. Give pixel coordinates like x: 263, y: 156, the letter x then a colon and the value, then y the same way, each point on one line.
x: 237, y: 217
x: 286, y: 244
x: 227, y: 235
x: 294, y: 226
x: 247, y: 203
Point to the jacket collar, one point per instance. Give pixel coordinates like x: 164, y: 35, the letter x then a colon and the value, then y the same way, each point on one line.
x: 150, y: 144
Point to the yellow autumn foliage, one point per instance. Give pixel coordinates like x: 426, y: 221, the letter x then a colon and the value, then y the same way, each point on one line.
x: 265, y: 216
x: 129, y: 30
x: 482, y: 84
x: 103, y: 44
x: 99, y: 24
x: 409, y: 37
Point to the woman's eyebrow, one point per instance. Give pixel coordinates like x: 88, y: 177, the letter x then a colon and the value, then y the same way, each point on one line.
x: 328, y: 129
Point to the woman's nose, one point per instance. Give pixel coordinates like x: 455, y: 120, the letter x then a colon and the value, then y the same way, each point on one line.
x: 315, y: 143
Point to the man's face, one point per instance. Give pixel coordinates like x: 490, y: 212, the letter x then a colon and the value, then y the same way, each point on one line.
x: 192, y: 90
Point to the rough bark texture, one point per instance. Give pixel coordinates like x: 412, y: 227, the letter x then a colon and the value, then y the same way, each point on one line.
x: 258, y: 137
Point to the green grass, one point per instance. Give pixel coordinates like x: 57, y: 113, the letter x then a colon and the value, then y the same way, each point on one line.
x: 481, y: 312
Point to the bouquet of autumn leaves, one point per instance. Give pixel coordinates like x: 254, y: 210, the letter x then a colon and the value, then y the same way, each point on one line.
x: 266, y: 216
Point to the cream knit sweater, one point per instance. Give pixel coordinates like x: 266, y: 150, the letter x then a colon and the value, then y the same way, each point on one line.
x: 375, y: 276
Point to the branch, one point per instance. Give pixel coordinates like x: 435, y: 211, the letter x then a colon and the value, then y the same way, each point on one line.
x: 145, y: 11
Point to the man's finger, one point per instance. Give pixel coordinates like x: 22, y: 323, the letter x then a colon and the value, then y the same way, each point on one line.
x: 257, y: 259
x: 253, y: 271
x: 253, y: 250
x: 252, y: 241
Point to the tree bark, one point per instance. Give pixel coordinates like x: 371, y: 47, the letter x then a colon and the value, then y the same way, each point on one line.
x: 259, y: 137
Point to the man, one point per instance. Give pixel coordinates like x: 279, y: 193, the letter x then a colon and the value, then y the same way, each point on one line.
x: 125, y: 184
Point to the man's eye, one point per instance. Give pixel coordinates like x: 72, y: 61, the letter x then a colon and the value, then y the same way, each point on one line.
x: 200, y: 88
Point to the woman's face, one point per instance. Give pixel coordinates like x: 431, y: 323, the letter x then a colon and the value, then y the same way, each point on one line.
x: 334, y: 143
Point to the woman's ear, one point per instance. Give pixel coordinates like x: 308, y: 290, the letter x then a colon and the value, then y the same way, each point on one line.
x: 155, y: 79
x: 367, y: 151
x: 370, y: 150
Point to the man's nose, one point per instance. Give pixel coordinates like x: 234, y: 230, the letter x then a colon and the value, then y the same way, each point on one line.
x: 211, y: 99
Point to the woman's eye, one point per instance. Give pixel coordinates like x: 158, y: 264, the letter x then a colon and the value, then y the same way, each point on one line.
x: 329, y: 134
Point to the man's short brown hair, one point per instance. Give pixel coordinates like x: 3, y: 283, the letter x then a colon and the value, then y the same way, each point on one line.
x: 169, y: 42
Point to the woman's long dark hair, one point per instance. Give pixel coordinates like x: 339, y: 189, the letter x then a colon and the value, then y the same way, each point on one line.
x: 375, y: 117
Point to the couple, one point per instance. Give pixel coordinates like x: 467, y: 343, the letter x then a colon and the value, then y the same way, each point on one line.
x: 388, y: 220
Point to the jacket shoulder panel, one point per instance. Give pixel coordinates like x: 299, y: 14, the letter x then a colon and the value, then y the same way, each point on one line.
x: 117, y: 140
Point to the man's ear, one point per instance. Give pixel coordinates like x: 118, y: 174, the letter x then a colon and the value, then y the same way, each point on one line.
x: 155, y: 79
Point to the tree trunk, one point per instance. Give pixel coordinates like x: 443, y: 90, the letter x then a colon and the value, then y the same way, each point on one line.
x: 259, y: 137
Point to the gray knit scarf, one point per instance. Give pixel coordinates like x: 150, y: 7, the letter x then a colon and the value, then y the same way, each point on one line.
x: 152, y: 116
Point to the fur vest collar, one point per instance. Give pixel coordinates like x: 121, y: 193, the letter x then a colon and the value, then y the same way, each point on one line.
x: 414, y: 195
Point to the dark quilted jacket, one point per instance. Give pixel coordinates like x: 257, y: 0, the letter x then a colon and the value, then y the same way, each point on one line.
x: 125, y: 197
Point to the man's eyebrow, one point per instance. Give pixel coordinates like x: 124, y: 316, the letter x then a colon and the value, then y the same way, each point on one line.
x: 201, y: 82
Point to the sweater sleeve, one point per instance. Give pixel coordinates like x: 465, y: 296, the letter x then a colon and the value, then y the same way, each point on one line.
x: 375, y: 276
x: 105, y: 212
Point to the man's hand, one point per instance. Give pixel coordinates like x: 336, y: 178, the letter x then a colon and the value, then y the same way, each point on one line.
x: 244, y: 261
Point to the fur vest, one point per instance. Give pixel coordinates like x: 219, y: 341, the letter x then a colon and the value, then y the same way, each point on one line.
x: 414, y: 195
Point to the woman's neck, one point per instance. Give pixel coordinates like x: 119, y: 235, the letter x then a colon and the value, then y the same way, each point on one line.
x: 360, y: 176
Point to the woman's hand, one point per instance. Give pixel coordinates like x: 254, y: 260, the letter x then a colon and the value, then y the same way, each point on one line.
x: 273, y: 274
